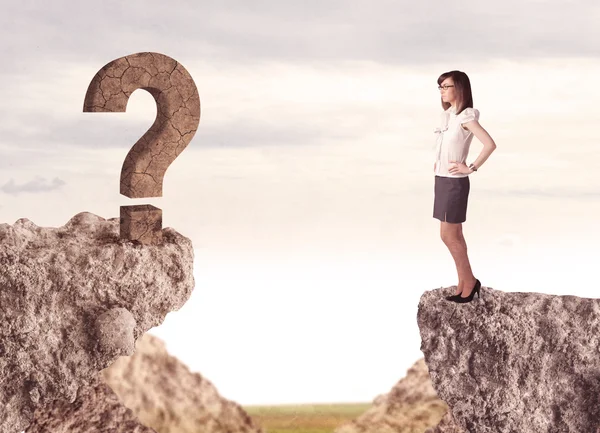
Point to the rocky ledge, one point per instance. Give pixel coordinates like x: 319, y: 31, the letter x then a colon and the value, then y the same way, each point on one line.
x: 514, y: 362
x: 72, y: 300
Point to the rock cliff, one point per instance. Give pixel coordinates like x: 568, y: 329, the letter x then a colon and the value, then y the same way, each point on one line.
x: 72, y: 300
x: 514, y: 362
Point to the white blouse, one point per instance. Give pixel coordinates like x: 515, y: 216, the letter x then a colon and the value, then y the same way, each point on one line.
x: 453, y: 141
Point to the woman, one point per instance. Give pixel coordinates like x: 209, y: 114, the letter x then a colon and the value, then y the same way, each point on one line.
x: 459, y: 125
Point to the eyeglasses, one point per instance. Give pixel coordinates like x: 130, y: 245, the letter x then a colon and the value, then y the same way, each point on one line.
x: 445, y: 86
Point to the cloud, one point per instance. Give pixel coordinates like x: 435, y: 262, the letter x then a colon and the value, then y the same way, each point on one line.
x: 415, y: 33
x: 112, y: 133
x: 35, y: 186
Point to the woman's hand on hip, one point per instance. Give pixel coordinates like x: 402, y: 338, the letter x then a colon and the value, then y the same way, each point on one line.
x: 459, y: 167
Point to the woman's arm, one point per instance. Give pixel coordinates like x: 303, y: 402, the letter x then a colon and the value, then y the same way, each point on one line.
x: 482, y: 135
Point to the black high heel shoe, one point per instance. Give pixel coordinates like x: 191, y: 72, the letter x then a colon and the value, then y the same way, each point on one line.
x: 453, y: 297
x: 460, y: 300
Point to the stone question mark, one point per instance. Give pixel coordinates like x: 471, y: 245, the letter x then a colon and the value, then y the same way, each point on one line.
x: 177, y: 118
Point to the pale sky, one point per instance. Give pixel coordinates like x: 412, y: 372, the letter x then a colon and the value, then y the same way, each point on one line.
x: 308, y: 189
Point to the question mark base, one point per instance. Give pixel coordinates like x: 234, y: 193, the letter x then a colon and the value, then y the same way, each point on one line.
x: 142, y: 223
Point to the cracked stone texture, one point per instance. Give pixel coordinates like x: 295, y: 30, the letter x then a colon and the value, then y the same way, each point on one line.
x: 411, y: 406
x: 142, y: 223
x: 514, y: 362
x: 165, y: 395
x: 177, y: 115
x: 72, y: 300
x: 96, y: 409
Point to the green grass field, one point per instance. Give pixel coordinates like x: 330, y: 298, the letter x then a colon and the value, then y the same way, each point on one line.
x: 305, y: 418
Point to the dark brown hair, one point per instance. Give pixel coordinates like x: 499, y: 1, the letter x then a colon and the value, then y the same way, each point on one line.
x: 462, y: 89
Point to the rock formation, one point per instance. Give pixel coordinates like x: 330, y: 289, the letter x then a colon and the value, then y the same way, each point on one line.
x: 447, y: 425
x: 73, y: 299
x: 514, y: 362
x: 96, y: 409
x: 411, y: 406
x: 162, y: 393
x: 165, y: 395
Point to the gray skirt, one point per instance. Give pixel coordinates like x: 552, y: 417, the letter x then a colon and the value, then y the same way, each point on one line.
x: 451, y: 196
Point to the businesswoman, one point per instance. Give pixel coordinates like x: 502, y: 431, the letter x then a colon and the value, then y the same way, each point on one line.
x: 459, y: 123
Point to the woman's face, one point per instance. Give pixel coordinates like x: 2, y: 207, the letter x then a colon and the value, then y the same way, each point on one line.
x: 448, y: 94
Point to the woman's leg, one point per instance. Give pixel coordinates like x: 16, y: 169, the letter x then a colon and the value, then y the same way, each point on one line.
x: 453, y: 238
